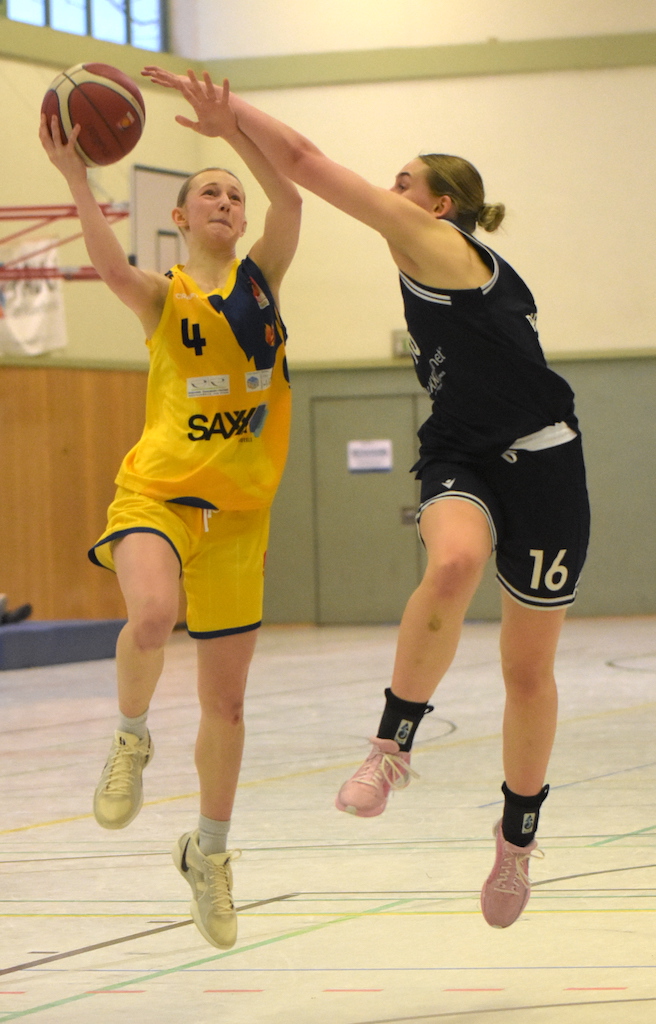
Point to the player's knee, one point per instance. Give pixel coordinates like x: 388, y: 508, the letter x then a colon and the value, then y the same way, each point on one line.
x: 229, y: 709
x: 454, y: 576
x: 526, y: 678
x: 152, y: 627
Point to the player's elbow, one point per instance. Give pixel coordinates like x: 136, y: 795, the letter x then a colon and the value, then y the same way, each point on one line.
x: 118, y: 279
x: 306, y: 161
x: 294, y: 202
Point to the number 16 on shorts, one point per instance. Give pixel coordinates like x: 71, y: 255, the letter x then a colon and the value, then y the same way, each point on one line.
x: 555, y: 577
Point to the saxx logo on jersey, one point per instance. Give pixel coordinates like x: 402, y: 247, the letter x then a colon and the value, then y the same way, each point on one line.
x: 228, y: 424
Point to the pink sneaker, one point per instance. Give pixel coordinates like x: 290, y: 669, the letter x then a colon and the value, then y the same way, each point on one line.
x: 507, y: 889
x: 387, y: 767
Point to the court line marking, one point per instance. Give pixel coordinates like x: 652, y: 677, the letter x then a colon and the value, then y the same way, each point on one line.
x: 624, y: 835
x: 420, y: 749
x: 124, y: 938
x: 438, y: 842
x: 580, y: 782
x: 205, y: 960
x: 614, y: 663
x: 461, y: 969
x: 589, y: 874
x: 85, y: 856
x: 509, y: 1009
x: 417, y: 893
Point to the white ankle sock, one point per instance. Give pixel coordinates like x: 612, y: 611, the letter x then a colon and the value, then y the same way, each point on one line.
x: 137, y: 726
x: 212, y: 835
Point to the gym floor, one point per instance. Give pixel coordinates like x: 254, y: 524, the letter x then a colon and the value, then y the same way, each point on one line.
x: 342, y: 920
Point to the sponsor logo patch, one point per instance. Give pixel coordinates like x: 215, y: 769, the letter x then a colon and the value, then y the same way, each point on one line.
x: 258, y: 380
x: 208, y: 387
x: 228, y: 424
x: 403, y: 731
x: 528, y: 823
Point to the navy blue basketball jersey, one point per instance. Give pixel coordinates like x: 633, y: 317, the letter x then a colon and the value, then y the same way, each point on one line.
x: 477, y: 354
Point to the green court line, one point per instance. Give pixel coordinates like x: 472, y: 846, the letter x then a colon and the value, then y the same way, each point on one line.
x: 624, y: 835
x: 197, y: 963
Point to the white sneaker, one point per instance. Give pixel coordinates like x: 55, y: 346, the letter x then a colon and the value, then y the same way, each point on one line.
x: 119, y: 794
x: 210, y: 879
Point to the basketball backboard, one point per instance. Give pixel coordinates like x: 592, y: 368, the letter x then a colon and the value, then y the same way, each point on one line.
x: 156, y: 245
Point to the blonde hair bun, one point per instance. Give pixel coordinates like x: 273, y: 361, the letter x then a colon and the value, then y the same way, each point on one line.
x: 490, y: 216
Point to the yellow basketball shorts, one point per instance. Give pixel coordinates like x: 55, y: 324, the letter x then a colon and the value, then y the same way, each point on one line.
x: 221, y: 557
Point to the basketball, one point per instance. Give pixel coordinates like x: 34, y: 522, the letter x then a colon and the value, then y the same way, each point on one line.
x: 105, y: 102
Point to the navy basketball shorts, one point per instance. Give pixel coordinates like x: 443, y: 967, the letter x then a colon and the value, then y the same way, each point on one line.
x: 536, y: 504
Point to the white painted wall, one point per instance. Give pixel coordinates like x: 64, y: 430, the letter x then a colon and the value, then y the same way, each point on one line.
x: 207, y: 29
x: 569, y: 153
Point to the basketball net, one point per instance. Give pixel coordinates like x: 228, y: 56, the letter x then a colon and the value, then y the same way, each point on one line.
x: 32, y: 317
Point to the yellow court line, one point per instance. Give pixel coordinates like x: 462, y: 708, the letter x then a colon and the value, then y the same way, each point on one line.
x: 44, y: 824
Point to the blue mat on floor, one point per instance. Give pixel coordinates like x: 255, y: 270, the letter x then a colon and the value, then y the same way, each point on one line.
x: 30, y: 644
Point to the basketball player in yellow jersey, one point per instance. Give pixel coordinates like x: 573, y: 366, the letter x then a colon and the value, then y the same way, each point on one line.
x: 194, y: 493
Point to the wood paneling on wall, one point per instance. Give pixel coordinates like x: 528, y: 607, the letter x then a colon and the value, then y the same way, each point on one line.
x: 63, y: 433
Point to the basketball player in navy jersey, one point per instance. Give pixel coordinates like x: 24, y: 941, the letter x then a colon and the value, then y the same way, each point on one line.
x: 500, y: 464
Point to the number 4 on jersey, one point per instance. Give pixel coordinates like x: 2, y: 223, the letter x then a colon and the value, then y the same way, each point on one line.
x: 196, y: 341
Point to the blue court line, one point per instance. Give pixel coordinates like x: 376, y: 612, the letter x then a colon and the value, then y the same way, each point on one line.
x: 580, y: 782
x: 152, y: 976
x: 371, y: 970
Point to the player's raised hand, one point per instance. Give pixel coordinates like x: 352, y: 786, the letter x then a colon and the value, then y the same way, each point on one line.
x: 211, y: 104
x: 61, y: 152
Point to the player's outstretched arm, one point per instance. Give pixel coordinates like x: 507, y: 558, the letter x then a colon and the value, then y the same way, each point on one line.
x: 142, y: 291
x: 409, y: 230
x: 215, y: 118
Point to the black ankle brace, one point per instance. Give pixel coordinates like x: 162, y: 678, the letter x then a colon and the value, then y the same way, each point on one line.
x: 521, y: 815
x: 401, y: 719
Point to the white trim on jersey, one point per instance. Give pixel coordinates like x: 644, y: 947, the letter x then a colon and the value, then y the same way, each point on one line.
x: 486, y: 288
x: 541, y: 603
x: 549, y: 437
x: 428, y: 294
x: 424, y: 292
x: 489, y: 285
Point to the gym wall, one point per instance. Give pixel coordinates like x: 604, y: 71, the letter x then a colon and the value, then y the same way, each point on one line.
x: 556, y: 126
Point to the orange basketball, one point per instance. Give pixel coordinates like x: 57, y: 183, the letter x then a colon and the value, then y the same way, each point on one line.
x: 105, y: 102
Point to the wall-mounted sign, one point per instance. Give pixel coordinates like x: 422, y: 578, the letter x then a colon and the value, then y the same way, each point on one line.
x: 369, y: 456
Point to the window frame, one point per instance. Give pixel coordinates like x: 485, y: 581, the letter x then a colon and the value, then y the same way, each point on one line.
x: 164, y: 22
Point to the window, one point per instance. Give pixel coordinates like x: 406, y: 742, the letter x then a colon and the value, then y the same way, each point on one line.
x: 140, y: 23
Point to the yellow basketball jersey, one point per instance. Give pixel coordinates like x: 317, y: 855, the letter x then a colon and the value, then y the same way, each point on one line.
x: 219, y: 401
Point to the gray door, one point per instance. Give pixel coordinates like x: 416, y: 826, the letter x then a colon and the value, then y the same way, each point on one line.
x: 368, y: 554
